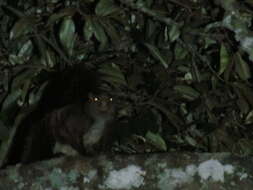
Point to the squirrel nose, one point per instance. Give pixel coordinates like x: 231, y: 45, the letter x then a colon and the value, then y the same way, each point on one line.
x: 103, y: 106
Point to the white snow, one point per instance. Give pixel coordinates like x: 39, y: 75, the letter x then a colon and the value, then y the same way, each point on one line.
x: 172, y: 178
x: 191, y: 170
x: 214, y: 170
x: 125, y: 178
x: 91, y: 174
x: 243, y: 176
x: 207, y: 170
x: 169, y: 179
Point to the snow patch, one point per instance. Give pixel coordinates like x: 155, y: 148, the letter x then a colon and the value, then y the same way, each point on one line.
x: 91, y: 174
x: 125, y: 178
x: 172, y: 178
x: 213, y: 169
x: 208, y: 170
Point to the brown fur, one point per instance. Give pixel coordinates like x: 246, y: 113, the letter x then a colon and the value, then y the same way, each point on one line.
x: 93, y: 118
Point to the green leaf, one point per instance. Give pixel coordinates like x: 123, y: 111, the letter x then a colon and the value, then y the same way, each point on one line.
x: 156, y: 140
x: 93, y: 26
x: 63, y: 13
x: 106, y: 7
x: 111, y: 31
x: 224, y: 59
x: 16, y: 60
x: 249, y: 118
x: 180, y: 52
x: 100, y: 34
x: 21, y: 78
x: 174, y: 33
x: 113, y: 74
x: 67, y: 34
x: 187, y: 92
x: 48, y: 59
x: 26, y: 50
x: 88, y: 28
x: 23, y: 55
x: 35, y: 96
x: 25, y: 90
x: 242, y: 68
x: 11, y: 99
x: 22, y: 27
x: 191, y: 141
x: 156, y: 54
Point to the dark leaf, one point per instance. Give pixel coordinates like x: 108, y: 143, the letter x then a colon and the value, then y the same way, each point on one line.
x: 67, y: 34
x: 242, y: 68
x: 157, y: 54
x: 187, y: 92
x: 156, y: 140
x: 113, y: 74
x: 106, y: 7
x: 22, y: 26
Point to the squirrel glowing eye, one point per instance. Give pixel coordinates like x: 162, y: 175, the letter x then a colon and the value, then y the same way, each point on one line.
x: 110, y: 99
x: 95, y: 99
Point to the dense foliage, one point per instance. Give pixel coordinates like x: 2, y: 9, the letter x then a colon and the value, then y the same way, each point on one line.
x: 181, y: 69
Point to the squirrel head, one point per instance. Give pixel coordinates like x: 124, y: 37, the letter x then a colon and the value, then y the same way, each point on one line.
x: 101, y: 105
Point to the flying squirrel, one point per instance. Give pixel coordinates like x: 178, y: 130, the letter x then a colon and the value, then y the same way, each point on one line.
x: 86, y: 126
x: 84, y: 123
